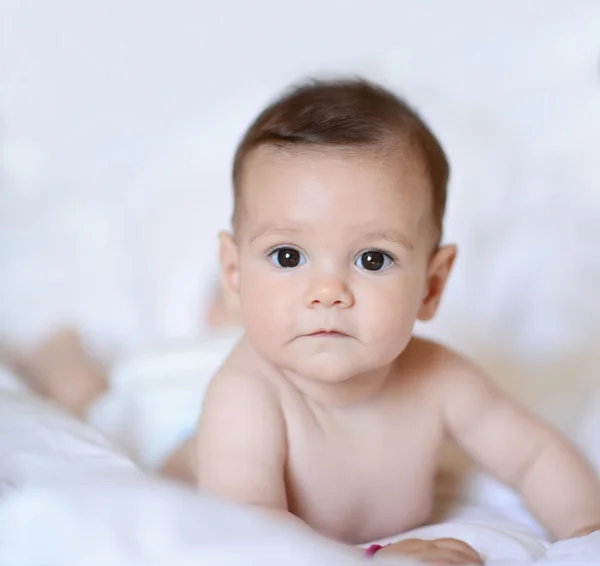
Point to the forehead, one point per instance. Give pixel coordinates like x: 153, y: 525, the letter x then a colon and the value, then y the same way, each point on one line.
x: 348, y: 189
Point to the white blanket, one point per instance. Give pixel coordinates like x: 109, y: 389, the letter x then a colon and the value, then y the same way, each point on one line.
x: 67, y: 497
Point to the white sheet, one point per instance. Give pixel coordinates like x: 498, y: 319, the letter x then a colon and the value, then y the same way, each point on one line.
x: 67, y: 497
x: 523, y: 201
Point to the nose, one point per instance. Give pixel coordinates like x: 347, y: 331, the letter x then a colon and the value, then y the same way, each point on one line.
x: 329, y: 291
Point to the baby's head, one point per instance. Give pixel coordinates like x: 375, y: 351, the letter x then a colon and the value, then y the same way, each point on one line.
x: 340, y: 190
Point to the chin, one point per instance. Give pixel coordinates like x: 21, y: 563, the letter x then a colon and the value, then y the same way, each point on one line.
x: 327, y: 369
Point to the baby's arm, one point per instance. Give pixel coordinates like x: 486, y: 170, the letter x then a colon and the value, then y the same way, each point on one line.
x: 241, y: 444
x: 555, y: 481
x: 241, y: 452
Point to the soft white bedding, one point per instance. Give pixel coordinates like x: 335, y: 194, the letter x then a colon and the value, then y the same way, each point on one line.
x: 117, y: 236
x: 67, y: 497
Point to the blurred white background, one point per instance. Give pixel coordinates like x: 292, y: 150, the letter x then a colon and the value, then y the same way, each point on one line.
x: 118, y: 121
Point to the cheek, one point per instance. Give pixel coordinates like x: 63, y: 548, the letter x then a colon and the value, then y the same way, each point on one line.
x: 263, y: 293
x: 391, y: 309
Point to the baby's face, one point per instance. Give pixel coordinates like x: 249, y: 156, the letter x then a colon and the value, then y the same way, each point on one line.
x: 333, y: 252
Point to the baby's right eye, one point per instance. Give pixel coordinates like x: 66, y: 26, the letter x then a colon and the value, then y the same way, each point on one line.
x: 287, y: 258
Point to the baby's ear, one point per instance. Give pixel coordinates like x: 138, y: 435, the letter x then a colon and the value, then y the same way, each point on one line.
x: 439, y: 269
x: 230, y: 272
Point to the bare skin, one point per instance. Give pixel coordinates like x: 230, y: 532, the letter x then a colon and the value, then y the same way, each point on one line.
x: 365, y: 471
x: 61, y: 369
x: 330, y: 413
x: 303, y: 451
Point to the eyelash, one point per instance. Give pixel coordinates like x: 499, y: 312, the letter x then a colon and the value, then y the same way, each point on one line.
x: 271, y: 251
x: 389, y: 255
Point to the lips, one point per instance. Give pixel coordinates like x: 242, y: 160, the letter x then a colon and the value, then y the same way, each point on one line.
x: 328, y: 334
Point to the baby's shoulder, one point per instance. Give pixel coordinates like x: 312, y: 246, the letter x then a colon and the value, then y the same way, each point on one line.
x: 437, y: 367
x: 430, y: 353
x: 240, y: 420
x: 242, y: 379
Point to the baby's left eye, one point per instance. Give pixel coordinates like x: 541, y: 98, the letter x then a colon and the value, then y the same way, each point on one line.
x: 374, y: 260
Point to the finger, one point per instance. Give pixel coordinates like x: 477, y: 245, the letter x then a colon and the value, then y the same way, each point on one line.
x: 411, y: 542
x: 403, y: 546
x: 459, y: 546
x: 447, y: 557
x: 433, y: 560
x: 453, y: 544
x: 448, y: 551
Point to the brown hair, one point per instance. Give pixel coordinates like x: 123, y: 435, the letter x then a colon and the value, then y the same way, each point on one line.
x: 351, y: 113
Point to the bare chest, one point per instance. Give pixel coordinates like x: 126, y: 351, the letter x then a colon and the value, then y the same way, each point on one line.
x: 365, y: 478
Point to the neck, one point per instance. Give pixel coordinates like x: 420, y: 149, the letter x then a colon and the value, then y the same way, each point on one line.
x: 351, y: 392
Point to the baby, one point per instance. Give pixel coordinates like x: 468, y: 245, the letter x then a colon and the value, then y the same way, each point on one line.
x: 330, y: 412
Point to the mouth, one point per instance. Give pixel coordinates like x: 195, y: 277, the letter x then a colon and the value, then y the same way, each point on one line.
x: 328, y: 334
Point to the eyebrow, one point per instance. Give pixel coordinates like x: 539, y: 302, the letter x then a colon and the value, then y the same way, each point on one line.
x: 269, y: 229
x: 392, y: 236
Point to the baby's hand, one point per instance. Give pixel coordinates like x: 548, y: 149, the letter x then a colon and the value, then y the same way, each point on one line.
x: 441, y: 552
